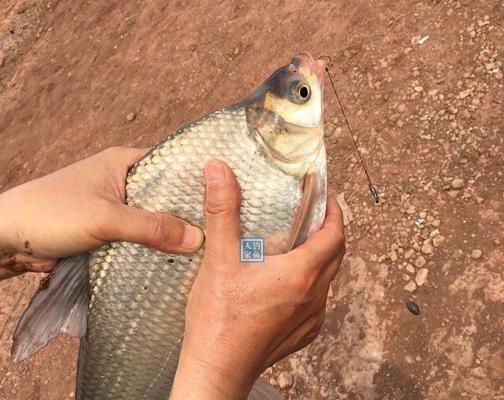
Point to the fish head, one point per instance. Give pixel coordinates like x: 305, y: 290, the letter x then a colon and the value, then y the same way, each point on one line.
x: 286, y: 111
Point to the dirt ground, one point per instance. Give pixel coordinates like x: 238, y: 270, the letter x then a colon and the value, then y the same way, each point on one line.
x: 422, y: 83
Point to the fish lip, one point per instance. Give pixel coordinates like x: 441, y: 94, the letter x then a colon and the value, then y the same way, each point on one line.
x: 317, y: 66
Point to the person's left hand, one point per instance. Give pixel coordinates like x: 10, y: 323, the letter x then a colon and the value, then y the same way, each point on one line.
x: 79, y: 208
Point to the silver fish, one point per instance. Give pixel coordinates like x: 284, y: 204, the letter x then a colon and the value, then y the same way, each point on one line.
x: 273, y: 141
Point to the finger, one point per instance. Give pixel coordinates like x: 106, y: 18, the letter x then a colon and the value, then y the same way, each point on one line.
x: 161, y: 231
x: 326, y: 244
x: 222, y: 211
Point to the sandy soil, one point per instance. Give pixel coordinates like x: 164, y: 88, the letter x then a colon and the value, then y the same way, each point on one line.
x: 422, y: 82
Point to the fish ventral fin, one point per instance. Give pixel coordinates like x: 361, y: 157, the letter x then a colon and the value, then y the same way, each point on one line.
x: 59, y: 306
x: 262, y: 390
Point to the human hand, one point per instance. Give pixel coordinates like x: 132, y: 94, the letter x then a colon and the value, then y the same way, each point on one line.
x: 79, y: 208
x: 242, y: 318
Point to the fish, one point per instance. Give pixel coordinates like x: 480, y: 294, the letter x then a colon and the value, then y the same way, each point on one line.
x: 126, y: 301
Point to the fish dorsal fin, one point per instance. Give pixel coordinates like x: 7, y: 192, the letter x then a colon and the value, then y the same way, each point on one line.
x: 59, y: 306
x: 262, y: 390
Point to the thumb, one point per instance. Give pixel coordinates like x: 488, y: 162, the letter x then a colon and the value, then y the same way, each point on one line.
x: 222, y: 212
x: 161, y: 231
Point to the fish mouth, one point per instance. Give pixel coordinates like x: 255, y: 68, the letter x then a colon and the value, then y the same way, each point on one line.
x: 308, y: 61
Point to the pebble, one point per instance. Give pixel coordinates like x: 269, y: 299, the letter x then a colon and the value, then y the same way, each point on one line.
x: 427, y: 247
x: 421, y: 276
x: 347, y: 212
x: 410, y: 269
x: 410, y: 287
x: 438, y: 241
x: 457, y: 184
x: 131, y: 117
x: 409, y: 253
x: 285, y: 380
x: 418, y: 89
x: 476, y: 254
x: 420, y: 262
x: 413, y: 307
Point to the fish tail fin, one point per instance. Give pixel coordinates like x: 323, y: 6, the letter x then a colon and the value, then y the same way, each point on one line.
x: 262, y: 390
x: 59, y: 306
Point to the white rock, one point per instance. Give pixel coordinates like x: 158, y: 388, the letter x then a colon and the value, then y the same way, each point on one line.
x: 457, y: 184
x: 285, y: 380
x: 421, y: 276
x: 476, y: 254
x: 420, y: 262
x: 347, y: 212
x: 427, y: 247
x: 410, y: 287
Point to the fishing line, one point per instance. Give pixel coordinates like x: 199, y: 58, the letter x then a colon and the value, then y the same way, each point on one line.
x: 374, y: 191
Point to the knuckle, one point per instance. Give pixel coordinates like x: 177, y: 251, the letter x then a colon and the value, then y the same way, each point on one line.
x: 157, y: 229
x: 305, y: 286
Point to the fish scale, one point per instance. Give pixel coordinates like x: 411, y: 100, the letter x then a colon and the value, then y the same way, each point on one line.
x: 138, y: 295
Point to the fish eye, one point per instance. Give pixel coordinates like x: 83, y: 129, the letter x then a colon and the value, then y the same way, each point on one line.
x: 300, y: 92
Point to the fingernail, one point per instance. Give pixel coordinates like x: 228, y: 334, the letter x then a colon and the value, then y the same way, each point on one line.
x: 193, y: 237
x: 214, y: 172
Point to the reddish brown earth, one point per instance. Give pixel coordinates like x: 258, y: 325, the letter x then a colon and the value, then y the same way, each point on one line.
x: 422, y: 83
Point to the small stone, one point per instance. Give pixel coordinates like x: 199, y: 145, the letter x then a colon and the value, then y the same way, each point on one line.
x: 411, y: 210
x: 345, y: 208
x: 436, y: 223
x: 131, y: 117
x: 409, y: 253
x: 418, y: 89
x: 498, y: 76
x: 457, y: 184
x: 410, y: 287
x: 465, y: 93
x: 413, y: 307
x: 409, y: 359
x: 427, y: 247
x: 410, y: 269
x: 285, y: 380
x: 420, y: 262
x: 421, y: 276
x: 476, y: 254
x: 438, y: 241
x: 393, y: 256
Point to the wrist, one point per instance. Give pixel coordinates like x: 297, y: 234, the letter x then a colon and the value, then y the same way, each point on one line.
x: 200, y: 380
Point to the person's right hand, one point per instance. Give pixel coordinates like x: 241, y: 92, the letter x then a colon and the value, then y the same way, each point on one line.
x: 242, y: 318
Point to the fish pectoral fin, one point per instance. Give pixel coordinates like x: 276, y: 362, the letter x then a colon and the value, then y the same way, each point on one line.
x: 262, y: 390
x: 302, y: 220
x: 59, y: 306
